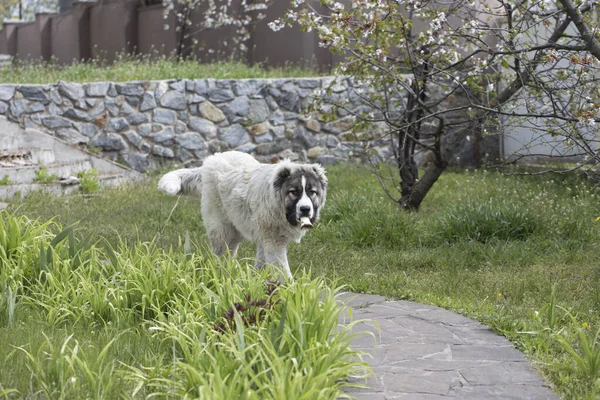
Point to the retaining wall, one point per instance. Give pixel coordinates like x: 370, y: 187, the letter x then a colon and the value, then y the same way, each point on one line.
x: 148, y: 123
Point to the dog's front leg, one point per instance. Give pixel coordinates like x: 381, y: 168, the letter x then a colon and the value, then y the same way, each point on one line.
x: 260, y: 256
x: 276, y: 255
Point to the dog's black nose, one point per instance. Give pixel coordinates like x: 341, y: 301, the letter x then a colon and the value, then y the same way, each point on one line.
x: 305, y: 210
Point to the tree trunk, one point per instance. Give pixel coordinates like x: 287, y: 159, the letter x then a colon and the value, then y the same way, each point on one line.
x: 412, y: 201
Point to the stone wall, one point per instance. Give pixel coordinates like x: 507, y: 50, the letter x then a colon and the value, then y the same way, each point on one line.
x: 147, y: 123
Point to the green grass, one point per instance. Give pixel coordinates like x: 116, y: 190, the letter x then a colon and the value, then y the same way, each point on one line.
x: 129, y: 68
x: 92, y: 320
x: 520, y: 254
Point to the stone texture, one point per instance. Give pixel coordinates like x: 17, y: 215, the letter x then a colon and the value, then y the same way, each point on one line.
x: 173, y: 100
x: 72, y: 136
x: 99, y: 89
x: 33, y: 93
x: 264, y: 117
x: 134, y: 138
x: 148, y: 102
x: 138, y: 161
x: 341, y: 125
x: 203, y: 126
x: 116, y: 125
x: 417, y: 355
x: 191, y: 141
x: 55, y: 121
x: 137, y: 118
x: 163, y: 152
x: 164, y: 136
x: 130, y: 89
x: 87, y: 129
x: 313, y: 125
x: 163, y: 116
x: 109, y: 142
x: 210, y: 112
x: 221, y: 95
x: 237, y: 110
x: 247, y: 87
x: 7, y: 92
x: 258, y: 112
x: 259, y: 129
x: 235, y: 135
x: 72, y: 91
x: 304, y: 138
x: 77, y: 115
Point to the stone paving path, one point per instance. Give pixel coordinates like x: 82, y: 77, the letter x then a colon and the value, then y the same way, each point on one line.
x: 427, y: 352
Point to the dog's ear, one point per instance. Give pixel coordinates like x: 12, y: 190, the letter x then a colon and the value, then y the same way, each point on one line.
x: 320, y: 171
x: 283, y: 173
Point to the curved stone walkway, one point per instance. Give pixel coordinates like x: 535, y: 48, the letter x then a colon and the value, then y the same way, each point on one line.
x: 427, y: 352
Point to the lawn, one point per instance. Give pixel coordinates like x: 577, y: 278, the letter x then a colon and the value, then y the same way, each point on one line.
x: 518, y: 253
x: 129, y: 68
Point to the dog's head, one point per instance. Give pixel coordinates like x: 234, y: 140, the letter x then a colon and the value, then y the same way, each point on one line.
x: 302, y: 188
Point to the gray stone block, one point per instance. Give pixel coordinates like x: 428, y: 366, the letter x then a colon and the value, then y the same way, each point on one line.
x: 7, y: 92
x: 33, y: 93
x: 72, y: 136
x: 163, y: 116
x: 203, y: 126
x: 54, y: 122
x: 234, y: 135
x: 173, y: 100
x: 137, y: 118
x: 130, y: 89
x: 109, y: 142
x: 99, y: 89
x: 164, y: 136
x: 77, y: 115
x: 191, y: 141
x: 116, y: 125
x: 163, y: 152
x: 72, y: 91
x: 148, y: 102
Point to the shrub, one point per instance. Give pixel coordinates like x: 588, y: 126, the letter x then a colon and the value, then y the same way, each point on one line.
x: 88, y: 181
x: 42, y: 176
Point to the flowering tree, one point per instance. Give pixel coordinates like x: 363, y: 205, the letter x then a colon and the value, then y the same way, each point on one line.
x: 10, y: 9
x: 239, y: 15
x: 441, y: 71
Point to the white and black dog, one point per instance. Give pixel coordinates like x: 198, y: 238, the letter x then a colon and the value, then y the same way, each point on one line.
x: 242, y: 199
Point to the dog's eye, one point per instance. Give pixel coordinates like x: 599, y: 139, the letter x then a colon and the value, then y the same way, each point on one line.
x: 293, y: 192
x: 312, y: 192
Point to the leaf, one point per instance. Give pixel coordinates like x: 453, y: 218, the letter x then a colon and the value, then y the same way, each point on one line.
x: 187, y: 247
x: 239, y: 330
x: 279, y: 336
x: 61, y: 236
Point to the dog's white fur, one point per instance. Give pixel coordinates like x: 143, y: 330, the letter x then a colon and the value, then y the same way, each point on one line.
x: 239, y: 201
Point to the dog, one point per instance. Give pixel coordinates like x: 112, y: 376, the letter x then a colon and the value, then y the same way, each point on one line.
x: 242, y: 199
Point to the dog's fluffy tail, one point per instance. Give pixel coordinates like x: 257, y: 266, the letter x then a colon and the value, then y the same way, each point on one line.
x: 181, y: 181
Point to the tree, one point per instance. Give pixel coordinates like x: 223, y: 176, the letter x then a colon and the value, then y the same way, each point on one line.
x: 239, y: 15
x: 441, y: 71
x: 10, y: 9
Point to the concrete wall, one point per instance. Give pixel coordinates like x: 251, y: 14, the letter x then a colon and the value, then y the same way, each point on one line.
x: 113, y: 29
x: 153, y: 39
x: 70, y: 37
